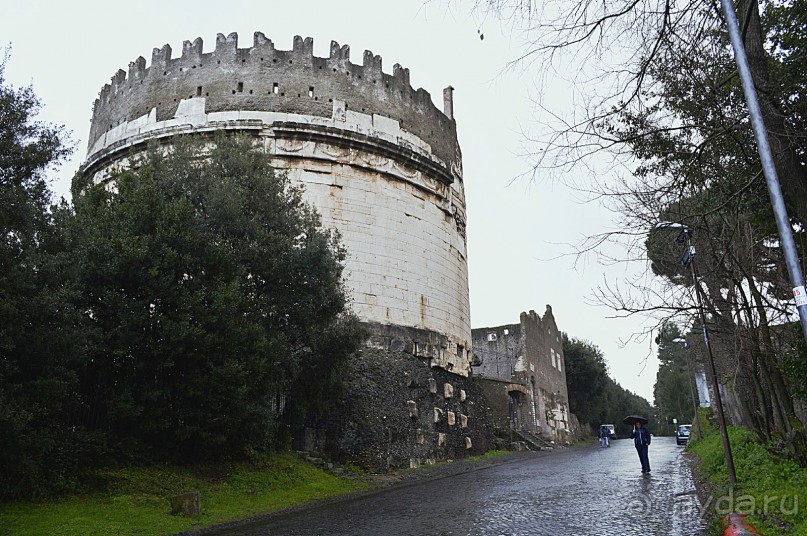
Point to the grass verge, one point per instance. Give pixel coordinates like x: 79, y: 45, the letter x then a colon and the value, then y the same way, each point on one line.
x: 136, y: 500
x: 770, y: 489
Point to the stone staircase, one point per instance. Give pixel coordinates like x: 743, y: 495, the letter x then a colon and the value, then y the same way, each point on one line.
x: 533, y: 440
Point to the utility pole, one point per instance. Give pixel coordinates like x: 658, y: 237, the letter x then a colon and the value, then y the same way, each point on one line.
x: 768, y: 167
x: 688, y: 260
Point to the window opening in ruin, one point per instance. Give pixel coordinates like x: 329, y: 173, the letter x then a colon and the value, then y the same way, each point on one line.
x: 240, y: 87
x: 250, y: 92
x: 218, y: 61
x: 275, y: 88
x: 310, y: 91
x: 180, y: 69
x: 198, y: 91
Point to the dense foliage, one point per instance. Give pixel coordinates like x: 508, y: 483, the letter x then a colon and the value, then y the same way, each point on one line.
x: 769, y: 485
x: 212, y: 289
x: 675, y: 389
x: 40, y: 331
x: 594, y: 397
x: 183, y: 312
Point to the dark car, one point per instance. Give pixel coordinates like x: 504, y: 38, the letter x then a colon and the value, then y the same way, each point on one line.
x: 682, y: 436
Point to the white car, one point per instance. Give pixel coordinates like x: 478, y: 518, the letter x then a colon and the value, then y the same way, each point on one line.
x: 610, y: 427
x: 684, y: 431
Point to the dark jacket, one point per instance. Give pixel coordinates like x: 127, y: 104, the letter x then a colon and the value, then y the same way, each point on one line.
x: 640, y: 436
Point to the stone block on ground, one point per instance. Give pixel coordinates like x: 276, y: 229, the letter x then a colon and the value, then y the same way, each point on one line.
x: 188, y: 504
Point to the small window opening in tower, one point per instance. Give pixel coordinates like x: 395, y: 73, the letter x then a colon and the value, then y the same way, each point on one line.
x: 240, y: 87
x: 198, y: 91
x: 310, y: 91
x: 275, y: 88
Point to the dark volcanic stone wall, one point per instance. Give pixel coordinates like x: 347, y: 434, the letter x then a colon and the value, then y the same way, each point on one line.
x: 375, y: 427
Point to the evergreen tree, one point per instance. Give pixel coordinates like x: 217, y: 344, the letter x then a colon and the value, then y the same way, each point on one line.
x: 213, y: 290
x: 41, y: 334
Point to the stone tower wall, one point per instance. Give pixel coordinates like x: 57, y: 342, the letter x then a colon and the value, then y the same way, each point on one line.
x: 377, y: 159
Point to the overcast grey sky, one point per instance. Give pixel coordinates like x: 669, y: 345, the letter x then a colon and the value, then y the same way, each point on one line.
x: 516, y: 226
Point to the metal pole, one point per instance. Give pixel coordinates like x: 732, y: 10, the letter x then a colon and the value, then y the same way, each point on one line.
x: 718, y: 399
x: 768, y: 167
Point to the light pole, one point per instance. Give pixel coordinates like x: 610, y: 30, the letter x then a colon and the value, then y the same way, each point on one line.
x: 768, y: 166
x: 688, y: 260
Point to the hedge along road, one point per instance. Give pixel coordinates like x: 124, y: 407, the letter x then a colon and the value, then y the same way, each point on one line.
x: 584, y: 490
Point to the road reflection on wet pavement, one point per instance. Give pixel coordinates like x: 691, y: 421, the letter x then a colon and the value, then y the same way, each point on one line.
x: 585, y: 490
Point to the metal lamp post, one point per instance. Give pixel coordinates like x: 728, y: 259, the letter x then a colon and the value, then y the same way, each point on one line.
x: 768, y: 166
x: 688, y: 260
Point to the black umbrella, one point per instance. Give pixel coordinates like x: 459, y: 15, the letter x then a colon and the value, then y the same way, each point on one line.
x: 631, y: 419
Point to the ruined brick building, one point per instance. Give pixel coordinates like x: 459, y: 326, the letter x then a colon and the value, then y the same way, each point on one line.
x: 382, y: 165
x: 523, y: 373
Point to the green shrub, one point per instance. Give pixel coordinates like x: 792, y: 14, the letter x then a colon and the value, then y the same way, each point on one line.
x: 770, y: 488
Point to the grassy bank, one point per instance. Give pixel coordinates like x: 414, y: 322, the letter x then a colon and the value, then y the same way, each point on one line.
x: 771, y: 490
x: 135, y: 501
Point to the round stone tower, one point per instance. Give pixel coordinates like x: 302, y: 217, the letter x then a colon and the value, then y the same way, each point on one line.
x: 377, y: 159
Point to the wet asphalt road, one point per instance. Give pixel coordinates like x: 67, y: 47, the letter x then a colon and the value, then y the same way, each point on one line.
x: 579, y: 491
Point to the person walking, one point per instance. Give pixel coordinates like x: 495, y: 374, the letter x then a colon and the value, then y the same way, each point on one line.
x: 605, y: 436
x: 641, y: 440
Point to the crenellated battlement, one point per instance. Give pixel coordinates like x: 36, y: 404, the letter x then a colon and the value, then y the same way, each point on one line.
x: 263, y: 78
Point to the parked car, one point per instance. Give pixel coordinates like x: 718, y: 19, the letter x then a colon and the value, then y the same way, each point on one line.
x: 682, y: 436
